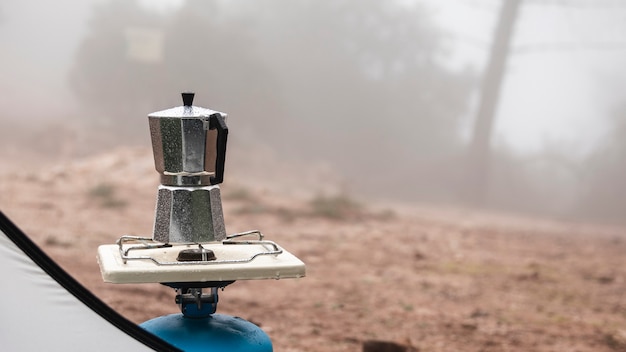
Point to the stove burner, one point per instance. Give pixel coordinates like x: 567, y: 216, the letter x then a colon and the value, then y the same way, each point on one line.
x: 196, y: 255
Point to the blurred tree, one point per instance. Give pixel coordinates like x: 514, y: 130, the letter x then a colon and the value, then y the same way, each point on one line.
x: 134, y: 61
x: 364, y: 87
x: 480, y: 150
x: 109, y: 82
x: 604, y: 176
x: 357, y: 83
x: 214, y: 56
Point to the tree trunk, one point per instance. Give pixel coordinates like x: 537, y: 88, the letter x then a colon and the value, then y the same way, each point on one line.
x: 480, y: 153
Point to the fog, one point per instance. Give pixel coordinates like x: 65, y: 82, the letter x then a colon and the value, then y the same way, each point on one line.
x: 384, y: 94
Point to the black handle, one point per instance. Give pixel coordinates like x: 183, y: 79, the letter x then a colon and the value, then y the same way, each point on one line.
x: 217, y: 121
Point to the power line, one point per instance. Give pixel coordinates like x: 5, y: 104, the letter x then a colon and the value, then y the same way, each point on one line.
x: 568, y: 47
x: 617, y: 45
x: 580, y: 4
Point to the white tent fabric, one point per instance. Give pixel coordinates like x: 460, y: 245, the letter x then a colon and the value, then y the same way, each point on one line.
x: 42, y: 308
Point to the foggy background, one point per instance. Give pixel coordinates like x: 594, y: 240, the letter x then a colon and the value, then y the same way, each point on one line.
x: 385, y: 94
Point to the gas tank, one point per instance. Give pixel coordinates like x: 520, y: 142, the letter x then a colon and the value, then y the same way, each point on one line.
x: 216, y: 333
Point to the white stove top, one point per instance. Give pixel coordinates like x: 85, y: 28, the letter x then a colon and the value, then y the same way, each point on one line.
x: 235, y: 260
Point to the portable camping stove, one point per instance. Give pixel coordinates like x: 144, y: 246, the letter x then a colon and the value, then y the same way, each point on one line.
x: 189, y: 249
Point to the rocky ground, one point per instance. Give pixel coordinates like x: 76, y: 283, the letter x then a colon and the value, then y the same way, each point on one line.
x: 426, y: 278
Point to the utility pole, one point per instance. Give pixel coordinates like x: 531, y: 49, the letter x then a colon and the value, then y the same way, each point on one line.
x: 480, y: 150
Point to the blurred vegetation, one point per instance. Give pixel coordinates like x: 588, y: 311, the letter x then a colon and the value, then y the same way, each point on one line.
x: 339, y: 206
x: 239, y: 193
x: 104, y: 194
x: 604, y: 175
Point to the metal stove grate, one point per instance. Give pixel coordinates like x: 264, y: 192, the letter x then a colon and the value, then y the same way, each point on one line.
x: 127, y: 243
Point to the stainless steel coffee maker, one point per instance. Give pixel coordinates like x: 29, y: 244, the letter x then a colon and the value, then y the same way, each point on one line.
x: 189, y: 147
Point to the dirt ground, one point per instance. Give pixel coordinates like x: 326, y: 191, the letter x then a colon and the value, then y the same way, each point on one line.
x: 432, y: 279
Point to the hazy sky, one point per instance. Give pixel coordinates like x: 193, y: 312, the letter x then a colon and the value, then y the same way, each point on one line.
x: 565, y: 73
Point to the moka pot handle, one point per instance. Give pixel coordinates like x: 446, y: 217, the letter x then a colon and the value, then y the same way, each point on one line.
x: 216, y: 121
